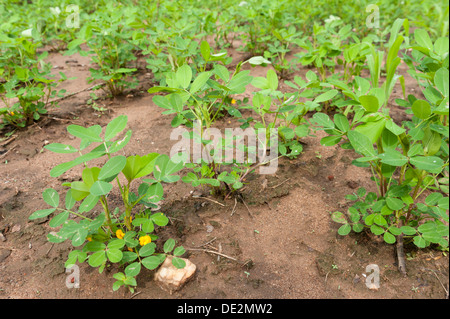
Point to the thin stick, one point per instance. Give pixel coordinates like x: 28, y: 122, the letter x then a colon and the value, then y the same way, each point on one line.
x: 2, y: 156
x: 209, y: 242
x: 8, y: 141
x: 220, y: 251
x: 446, y: 291
x: 211, y: 200
x: 280, y: 183
x: 75, y: 93
x: 213, y: 252
x: 234, y: 208
x: 134, y: 295
x: 49, y: 250
x: 243, y: 202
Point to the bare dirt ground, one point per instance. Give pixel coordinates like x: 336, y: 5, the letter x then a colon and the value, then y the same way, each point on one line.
x: 284, y: 243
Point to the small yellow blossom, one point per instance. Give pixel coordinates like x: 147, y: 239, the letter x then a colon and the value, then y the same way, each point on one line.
x: 144, y: 240
x: 12, y: 113
x: 89, y: 238
x: 130, y: 249
x: 120, y: 234
x: 233, y: 101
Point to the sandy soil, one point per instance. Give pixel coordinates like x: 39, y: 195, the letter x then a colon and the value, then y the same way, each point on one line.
x: 285, y: 244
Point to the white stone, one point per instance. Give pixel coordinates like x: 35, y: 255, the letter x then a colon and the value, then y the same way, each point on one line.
x: 171, y: 278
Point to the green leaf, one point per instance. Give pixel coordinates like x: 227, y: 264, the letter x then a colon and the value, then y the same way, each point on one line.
x: 154, y: 193
x: 433, y: 199
x: 222, y: 72
x: 41, y: 213
x: 184, y: 76
x: 132, y: 270
x: 147, y: 250
x: 151, y: 262
x: 179, y: 251
x: 394, y: 203
x: 116, y: 126
x: 169, y: 245
x: 79, y: 236
x: 178, y: 263
x: 60, y: 148
x: 89, y: 134
x: 339, y: 217
x: 130, y: 281
x: 323, y: 120
x: 395, y: 231
x: 118, y: 145
x: 393, y: 158
x: 379, y: 220
x: 239, y: 82
x: 394, y: 128
x: 361, y: 143
x: 116, y: 244
x: 205, y: 50
x: 64, y: 167
x: 357, y: 228
x: 444, y: 203
x: 421, y: 109
x: 432, y: 237
x: 97, y: 258
x: 159, y: 219
x: 441, y: 80
x: 129, y: 239
x: 138, y: 166
x: 51, y: 197
x: 94, y: 246
x: 341, y: 122
x: 164, y: 167
x: 100, y: 188
x: 272, y: 79
x: 112, y: 168
x: 119, y: 276
x: 389, y: 238
x: 200, y: 81
x: 431, y: 164
x: 377, y: 230
x: 326, y: 96
x: 147, y: 225
x: 258, y: 60
x: 441, y: 46
x: 88, y: 203
x: 373, y: 128
x: 370, y: 103
x: 59, y: 219
x: 55, y: 238
x: 423, y: 39
x: 408, y: 230
x: 129, y: 256
x: 330, y: 140
x: 70, y: 201
x: 114, y: 255
x: 344, y: 229
x: 420, y: 242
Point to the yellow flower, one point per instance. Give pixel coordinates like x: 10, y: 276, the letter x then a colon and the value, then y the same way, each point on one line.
x: 112, y: 80
x: 12, y: 113
x: 130, y: 249
x: 233, y: 101
x: 144, y: 240
x: 120, y: 234
x: 89, y: 238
